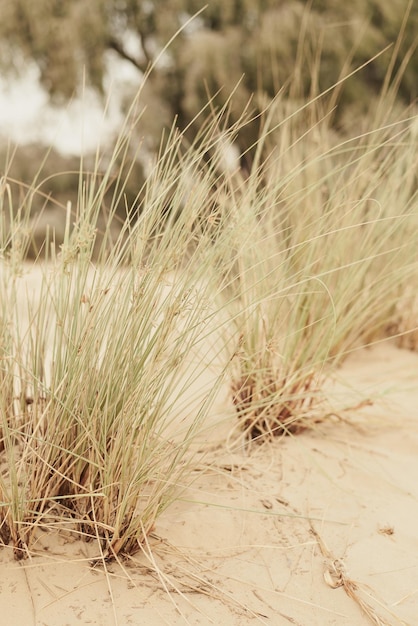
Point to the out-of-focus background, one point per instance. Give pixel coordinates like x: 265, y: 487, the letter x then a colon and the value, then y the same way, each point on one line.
x: 63, y: 63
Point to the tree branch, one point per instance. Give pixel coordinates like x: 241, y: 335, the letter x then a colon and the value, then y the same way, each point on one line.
x: 115, y: 45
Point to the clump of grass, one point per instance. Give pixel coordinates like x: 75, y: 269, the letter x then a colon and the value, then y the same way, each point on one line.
x: 96, y: 426
x: 289, y: 269
x: 321, y: 249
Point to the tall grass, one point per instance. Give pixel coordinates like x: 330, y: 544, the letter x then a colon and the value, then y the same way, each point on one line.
x: 96, y: 414
x: 322, y: 250
x: 273, y: 277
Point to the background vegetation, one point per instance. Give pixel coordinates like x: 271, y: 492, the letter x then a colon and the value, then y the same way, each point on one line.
x: 252, y: 48
x: 257, y: 39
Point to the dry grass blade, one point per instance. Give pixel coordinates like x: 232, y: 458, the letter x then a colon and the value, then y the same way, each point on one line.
x: 335, y: 576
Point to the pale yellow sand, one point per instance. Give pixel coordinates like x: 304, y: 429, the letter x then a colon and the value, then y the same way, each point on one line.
x: 302, y: 531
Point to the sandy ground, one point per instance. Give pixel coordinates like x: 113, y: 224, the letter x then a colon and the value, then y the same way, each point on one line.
x: 316, y: 530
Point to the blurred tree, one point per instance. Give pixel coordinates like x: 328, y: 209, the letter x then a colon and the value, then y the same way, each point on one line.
x: 259, y: 44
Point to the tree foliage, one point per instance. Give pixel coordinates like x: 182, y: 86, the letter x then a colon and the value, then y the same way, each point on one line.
x: 242, y: 46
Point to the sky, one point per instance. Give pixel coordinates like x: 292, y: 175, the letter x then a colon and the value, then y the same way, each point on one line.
x: 26, y: 115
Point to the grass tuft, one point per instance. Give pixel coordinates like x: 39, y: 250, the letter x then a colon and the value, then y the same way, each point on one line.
x: 267, y: 278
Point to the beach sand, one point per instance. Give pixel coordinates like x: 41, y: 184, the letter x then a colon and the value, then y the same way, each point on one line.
x: 314, y: 530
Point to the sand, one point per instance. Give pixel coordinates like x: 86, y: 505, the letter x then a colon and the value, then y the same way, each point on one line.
x: 314, y: 530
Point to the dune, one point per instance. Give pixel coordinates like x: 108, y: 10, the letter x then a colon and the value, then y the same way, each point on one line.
x: 317, y: 529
